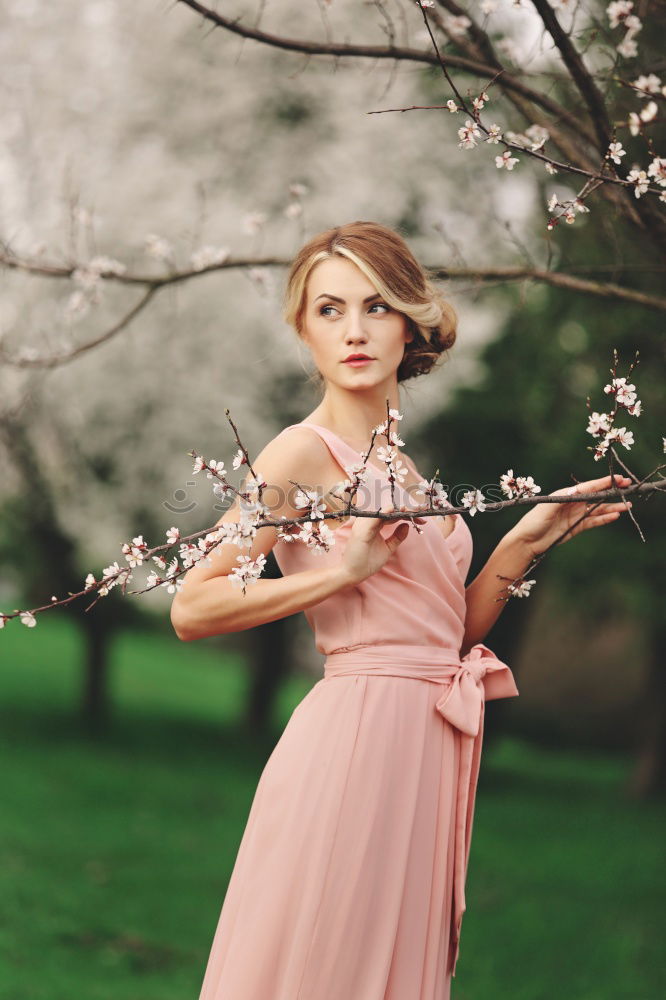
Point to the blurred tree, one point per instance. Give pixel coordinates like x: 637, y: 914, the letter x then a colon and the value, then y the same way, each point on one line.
x: 44, y: 559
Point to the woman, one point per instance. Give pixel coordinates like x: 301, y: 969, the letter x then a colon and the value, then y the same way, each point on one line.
x: 349, y: 880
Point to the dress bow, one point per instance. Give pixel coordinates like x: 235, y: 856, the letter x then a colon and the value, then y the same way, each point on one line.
x: 481, y: 677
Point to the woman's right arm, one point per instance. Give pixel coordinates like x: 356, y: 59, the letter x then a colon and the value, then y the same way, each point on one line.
x: 210, y: 604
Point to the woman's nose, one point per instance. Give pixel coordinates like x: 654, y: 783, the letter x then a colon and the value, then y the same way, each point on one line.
x: 355, y: 328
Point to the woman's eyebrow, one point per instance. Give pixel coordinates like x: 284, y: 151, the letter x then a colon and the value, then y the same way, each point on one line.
x: 325, y: 295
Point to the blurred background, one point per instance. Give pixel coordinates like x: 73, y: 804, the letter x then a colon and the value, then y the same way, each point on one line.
x: 141, y: 134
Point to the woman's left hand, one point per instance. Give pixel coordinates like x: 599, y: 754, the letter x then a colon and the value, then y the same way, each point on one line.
x: 545, y: 522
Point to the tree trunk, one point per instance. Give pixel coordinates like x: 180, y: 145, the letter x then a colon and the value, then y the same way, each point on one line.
x: 648, y: 778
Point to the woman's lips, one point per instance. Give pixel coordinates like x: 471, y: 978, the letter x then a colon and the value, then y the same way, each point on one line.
x: 358, y: 362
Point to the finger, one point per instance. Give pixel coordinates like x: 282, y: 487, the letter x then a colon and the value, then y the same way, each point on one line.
x: 605, y: 482
x: 596, y: 485
x: 397, y: 537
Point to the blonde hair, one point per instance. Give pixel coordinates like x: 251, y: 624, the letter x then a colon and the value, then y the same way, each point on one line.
x: 386, y: 260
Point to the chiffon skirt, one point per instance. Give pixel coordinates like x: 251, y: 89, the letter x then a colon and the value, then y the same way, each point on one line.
x: 349, y: 879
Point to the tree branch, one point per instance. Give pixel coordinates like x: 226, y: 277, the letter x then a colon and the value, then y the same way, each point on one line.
x: 153, y: 285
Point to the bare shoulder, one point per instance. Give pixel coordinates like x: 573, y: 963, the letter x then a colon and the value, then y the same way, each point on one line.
x: 289, y: 460
x: 292, y: 459
x: 297, y: 456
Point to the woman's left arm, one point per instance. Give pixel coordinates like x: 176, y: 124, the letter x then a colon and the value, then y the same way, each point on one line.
x: 536, y: 531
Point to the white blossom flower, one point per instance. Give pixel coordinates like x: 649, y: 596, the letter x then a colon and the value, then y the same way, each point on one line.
x: 90, y: 581
x: 600, y: 450
x: 474, y: 500
x: 615, y: 152
x: 494, y: 134
x: 208, y: 256
x: 521, y: 589
x: 255, y: 483
x: 452, y: 106
x: 479, y: 102
x: 3, y: 618
x: 640, y: 181
x: 434, y: 492
x: 518, y: 486
x: 172, y: 535
x: 538, y: 135
x: 550, y: 168
x: 657, y: 170
x: 398, y: 471
x: 618, y: 10
x: 649, y: 111
x: 90, y: 273
x: 622, y: 435
x: 134, y: 553
x: 198, y: 465
x: 215, y: 467
x: 627, y: 47
x: 598, y: 423
x: 311, y: 499
x: 533, y: 137
x: 27, y: 618
x: 174, y: 586
x: 624, y: 392
x: 634, y: 123
x: 650, y: 84
x: 189, y: 554
x: 111, y: 570
x: 506, y: 160
x: 318, y: 537
x: 468, y: 134
x: 357, y: 472
x: 238, y: 459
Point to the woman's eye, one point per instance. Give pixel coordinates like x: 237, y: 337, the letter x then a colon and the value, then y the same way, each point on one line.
x: 329, y: 309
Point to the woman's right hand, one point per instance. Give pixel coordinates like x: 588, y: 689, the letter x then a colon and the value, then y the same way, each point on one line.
x: 366, y: 550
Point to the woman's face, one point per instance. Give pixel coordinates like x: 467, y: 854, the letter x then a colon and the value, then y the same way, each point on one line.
x: 344, y: 314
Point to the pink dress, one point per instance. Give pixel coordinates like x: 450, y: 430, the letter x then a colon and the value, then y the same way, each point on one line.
x: 349, y: 882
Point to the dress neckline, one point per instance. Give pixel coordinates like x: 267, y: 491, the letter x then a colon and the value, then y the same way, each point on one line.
x: 457, y: 518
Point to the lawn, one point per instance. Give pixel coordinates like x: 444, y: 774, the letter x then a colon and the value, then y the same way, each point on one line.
x: 115, y: 853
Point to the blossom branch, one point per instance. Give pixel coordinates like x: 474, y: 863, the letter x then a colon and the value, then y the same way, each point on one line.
x: 254, y: 514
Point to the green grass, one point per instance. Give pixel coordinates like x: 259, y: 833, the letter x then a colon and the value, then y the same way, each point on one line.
x: 115, y: 853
